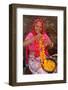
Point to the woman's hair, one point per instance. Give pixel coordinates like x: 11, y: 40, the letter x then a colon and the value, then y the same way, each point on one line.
x: 33, y: 26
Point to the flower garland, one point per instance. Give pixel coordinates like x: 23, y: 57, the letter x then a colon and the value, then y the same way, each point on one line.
x: 48, y: 65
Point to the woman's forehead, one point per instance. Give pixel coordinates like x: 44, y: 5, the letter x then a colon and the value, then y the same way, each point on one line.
x: 38, y: 23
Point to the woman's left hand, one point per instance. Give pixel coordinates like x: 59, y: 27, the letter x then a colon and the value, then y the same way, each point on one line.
x: 49, y: 45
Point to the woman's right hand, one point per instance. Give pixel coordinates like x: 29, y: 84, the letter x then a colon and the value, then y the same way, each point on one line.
x: 38, y: 36
x: 28, y: 41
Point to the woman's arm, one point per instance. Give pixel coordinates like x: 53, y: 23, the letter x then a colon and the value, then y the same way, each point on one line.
x: 28, y: 41
x: 48, y: 42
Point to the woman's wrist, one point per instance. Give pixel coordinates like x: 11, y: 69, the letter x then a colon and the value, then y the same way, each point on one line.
x: 31, y: 40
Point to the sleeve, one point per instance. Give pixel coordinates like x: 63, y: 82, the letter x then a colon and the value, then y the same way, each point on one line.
x: 29, y: 36
x: 47, y: 39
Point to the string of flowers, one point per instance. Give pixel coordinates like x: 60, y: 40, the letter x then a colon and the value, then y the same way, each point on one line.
x: 48, y: 65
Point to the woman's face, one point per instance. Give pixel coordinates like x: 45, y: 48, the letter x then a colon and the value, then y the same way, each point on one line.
x: 38, y: 27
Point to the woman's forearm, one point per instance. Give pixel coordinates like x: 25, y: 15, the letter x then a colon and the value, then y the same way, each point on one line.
x: 49, y: 45
x: 27, y: 42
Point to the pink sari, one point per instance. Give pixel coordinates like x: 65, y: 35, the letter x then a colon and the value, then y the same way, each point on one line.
x: 33, y: 60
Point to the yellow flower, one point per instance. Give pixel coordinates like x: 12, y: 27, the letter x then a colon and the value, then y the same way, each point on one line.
x: 47, y: 64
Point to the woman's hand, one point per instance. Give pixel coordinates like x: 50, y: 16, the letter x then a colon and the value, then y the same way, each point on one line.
x: 49, y: 45
x: 52, y: 44
x: 27, y: 42
x: 38, y: 36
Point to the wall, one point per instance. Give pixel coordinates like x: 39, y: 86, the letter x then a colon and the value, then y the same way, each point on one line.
x: 4, y: 44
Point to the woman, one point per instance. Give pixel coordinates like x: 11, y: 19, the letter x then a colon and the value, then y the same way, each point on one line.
x: 31, y: 43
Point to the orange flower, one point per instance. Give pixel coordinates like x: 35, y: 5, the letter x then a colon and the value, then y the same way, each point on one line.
x: 48, y: 65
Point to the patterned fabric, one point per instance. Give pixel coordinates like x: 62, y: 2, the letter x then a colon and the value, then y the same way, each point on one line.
x: 35, y: 66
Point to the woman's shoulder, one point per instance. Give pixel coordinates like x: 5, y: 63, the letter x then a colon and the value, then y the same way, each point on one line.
x: 29, y: 35
x: 46, y: 37
x: 45, y: 34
